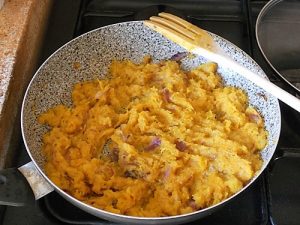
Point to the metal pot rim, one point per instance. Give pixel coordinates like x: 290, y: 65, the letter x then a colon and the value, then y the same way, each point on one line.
x: 260, y: 16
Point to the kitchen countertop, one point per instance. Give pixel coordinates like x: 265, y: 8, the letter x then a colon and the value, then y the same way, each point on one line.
x: 13, y: 19
x: 22, y: 25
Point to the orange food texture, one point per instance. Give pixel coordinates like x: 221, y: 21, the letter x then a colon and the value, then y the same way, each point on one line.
x: 154, y: 140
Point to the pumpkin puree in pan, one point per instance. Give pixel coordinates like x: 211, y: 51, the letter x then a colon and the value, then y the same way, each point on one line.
x: 154, y: 140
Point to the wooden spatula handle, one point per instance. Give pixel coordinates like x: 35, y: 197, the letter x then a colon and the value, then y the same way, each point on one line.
x: 268, y: 86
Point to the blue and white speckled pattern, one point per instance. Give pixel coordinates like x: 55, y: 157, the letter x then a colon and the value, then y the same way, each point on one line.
x: 95, y: 50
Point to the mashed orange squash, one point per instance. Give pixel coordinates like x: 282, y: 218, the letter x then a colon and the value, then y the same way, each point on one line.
x: 153, y: 140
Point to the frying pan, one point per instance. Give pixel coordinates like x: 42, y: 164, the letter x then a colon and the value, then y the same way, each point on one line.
x: 278, y: 37
x: 94, y: 51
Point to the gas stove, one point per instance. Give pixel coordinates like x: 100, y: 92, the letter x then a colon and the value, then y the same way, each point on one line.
x: 273, y: 199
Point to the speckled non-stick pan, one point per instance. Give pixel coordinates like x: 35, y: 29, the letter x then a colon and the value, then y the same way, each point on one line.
x: 95, y: 50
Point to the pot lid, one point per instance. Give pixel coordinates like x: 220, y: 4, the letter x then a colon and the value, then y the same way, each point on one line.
x: 278, y: 37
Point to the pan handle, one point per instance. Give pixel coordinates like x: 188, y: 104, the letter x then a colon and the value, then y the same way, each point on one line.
x: 19, y: 186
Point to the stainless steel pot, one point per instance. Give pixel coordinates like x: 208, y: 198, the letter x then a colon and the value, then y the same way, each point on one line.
x: 52, y: 84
